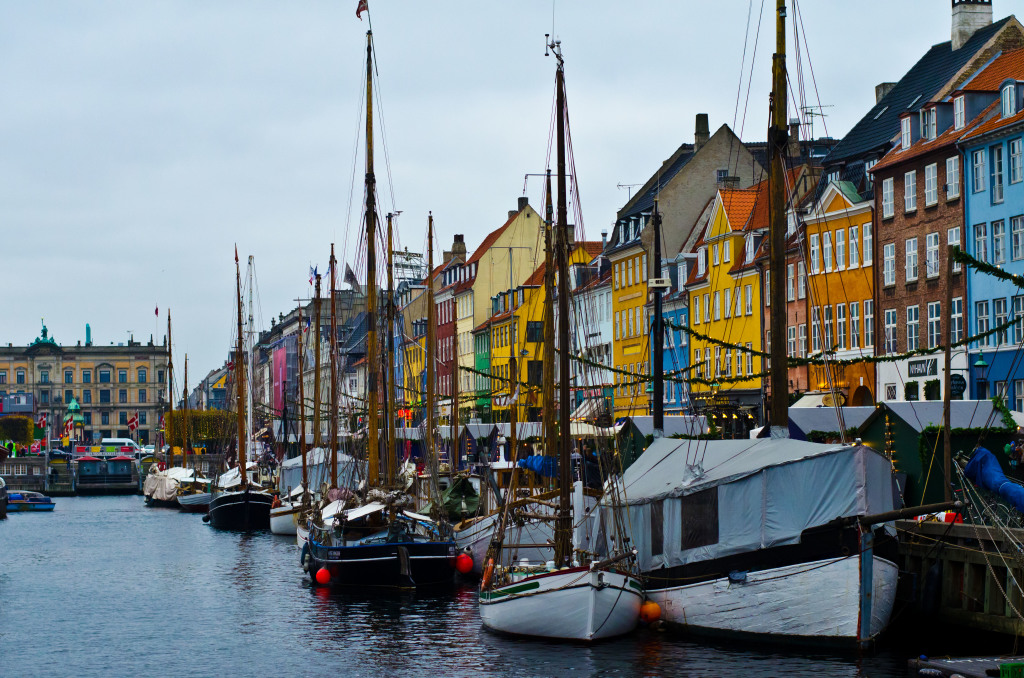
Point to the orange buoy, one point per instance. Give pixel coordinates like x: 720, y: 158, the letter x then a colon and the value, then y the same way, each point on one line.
x: 464, y: 563
x: 323, y: 576
x: 650, y: 612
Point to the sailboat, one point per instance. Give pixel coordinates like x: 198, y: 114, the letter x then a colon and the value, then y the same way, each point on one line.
x: 574, y: 596
x: 248, y: 506
x: 374, y: 541
x: 770, y: 538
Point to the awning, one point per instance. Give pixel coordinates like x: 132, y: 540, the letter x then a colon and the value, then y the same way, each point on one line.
x: 817, y: 400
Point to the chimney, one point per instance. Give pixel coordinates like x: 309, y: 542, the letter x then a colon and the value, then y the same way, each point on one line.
x: 968, y: 17
x: 794, y: 151
x: 459, y: 247
x: 604, y: 239
x: 524, y: 202
x: 882, y: 89
x: 88, y: 335
x: 701, y: 134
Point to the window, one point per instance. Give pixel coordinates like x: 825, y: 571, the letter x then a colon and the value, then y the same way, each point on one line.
x: 790, y: 283
x: 657, y: 528
x: 841, y: 326
x: 829, y: 340
x: 718, y: 361
x: 931, y: 184
x: 122, y: 376
x: 142, y: 375
x: 104, y: 418
x: 910, y: 191
x: 104, y: 395
x: 1008, y: 100
x: 700, y: 519
x: 44, y: 397
x: 890, y: 330
x: 928, y: 123
x: 718, y: 306
x: 911, y: 259
x: 142, y: 395
x: 953, y: 177
x: 998, y: 242
x: 866, y: 252
x: 3, y: 376
x: 714, y: 254
x: 728, y: 302
x: 67, y: 395
x: 748, y: 297
x: 869, y: 323
x: 803, y: 340
x: 889, y: 264
x: 934, y: 324
x: 791, y: 341
x: 854, y: 324
x: 44, y: 376
x: 814, y: 253
x: 142, y: 418
x: 534, y: 331
x: 840, y: 249
x: 702, y: 260
x: 749, y: 247
x: 905, y: 133
x: 69, y: 376
x: 815, y: 329
x: 999, y: 319
x: 981, y: 242
x: 997, y: 174
x: 854, y: 247
x: 1018, y: 395
x: 87, y: 396
x: 1018, y: 313
x: 122, y: 418
x: 931, y: 255
x: 826, y: 248
x: 888, y: 208
x: 20, y: 377
x: 953, y: 238
x: 707, y: 307
x: 801, y: 280
x: 978, y: 171
x: 104, y: 376
x: 959, y: 119
x: 642, y: 263
x: 1016, y: 166
x: 87, y: 418
x: 981, y: 319
x: 726, y: 251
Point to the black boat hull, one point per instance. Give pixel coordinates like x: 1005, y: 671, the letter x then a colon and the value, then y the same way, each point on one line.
x: 243, y: 510
x: 401, y: 565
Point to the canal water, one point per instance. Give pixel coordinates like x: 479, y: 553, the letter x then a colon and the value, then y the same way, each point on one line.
x: 104, y: 586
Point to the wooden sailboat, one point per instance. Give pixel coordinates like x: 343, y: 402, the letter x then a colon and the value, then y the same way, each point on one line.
x: 241, y: 505
x: 372, y: 540
x: 573, y: 596
x: 287, y: 513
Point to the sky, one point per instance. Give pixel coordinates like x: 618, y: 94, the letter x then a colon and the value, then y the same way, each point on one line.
x: 140, y: 142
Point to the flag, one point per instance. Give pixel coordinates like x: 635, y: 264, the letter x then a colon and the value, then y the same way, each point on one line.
x: 306, y: 328
x: 133, y: 423
x: 360, y: 8
x: 36, y: 447
x: 350, y: 278
x: 161, y: 422
x: 42, y: 421
x: 312, y: 274
x: 69, y: 427
x: 236, y: 254
x: 156, y: 311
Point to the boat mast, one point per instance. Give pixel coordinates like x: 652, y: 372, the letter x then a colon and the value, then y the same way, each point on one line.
x: 548, y: 376
x: 453, y: 418
x: 372, y: 362
x: 657, y: 336
x: 250, y: 355
x: 390, y: 392
x: 333, y: 419
x: 563, y: 526
x: 431, y: 352
x: 240, y: 378
x: 170, y: 390
x: 317, y: 438
x: 186, y: 433
x: 777, y: 142
x: 302, y: 405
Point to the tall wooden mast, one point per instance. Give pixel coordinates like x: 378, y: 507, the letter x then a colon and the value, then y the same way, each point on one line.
x: 170, y: 391
x: 431, y: 353
x: 372, y: 361
x: 548, y: 375
x: 333, y: 419
x: 563, y: 526
x: 186, y: 433
x: 317, y: 438
x: 657, y: 336
x: 778, y: 416
x: 240, y: 379
x: 302, y: 406
x: 390, y: 393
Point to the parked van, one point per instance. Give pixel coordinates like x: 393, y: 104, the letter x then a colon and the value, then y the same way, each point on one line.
x: 115, y: 445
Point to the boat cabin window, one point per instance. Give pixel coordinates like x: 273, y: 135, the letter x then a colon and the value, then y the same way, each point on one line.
x: 699, y: 518
x: 657, y: 528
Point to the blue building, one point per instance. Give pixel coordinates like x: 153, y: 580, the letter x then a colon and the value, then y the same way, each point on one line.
x: 993, y: 102
x: 675, y: 358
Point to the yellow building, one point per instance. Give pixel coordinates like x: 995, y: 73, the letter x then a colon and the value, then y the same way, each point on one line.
x: 630, y: 349
x: 725, y: 296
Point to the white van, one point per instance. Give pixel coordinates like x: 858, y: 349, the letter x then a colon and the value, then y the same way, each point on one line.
x: 119, y: 443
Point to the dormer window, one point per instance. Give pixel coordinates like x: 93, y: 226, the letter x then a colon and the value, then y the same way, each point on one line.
x: 1009, y: 99
x: 702, y: 260
x: 959, y: 117
x: 750, y: 247
x: 905, y: 132
x: 928, y: 124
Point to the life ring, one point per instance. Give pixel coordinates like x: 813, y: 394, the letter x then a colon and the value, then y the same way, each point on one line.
x: 485, y: 581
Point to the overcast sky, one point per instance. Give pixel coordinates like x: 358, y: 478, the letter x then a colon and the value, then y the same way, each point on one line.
x: 140, y: 140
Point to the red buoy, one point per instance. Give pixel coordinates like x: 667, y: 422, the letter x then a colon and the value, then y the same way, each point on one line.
x: 464, y: 563
x: 323, y: 576
x: 650, y: 612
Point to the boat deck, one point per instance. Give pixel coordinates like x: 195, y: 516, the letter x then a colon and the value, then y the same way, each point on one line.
x: 968, y: 667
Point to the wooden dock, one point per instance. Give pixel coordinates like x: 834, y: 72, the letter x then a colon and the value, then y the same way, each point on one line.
x: 964, y: 574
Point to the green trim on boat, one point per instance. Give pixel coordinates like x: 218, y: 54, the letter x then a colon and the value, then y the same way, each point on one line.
x: 636, y: 585
x: 509, y: 590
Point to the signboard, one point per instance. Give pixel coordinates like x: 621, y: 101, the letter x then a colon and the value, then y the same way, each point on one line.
x: 923, y: 368
x: 957, y: 385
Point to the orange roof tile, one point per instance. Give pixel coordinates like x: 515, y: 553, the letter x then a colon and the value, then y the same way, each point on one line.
x: 1008, y: 65
x: 923, y: 146
x: 738, y: 204
x: 993, y: 124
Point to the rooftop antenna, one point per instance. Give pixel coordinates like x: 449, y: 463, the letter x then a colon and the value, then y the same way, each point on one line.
x: 629, y: 189
x: 810, y: 113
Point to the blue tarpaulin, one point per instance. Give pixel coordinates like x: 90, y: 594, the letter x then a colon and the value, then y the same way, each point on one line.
x: 544, y: 466
x: 984, y: 470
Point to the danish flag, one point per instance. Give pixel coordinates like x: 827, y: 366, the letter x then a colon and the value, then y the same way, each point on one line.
x: 133, y: 423
x: 42, y: 421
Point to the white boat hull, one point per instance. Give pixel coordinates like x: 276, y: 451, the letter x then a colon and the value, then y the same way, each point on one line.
x: 574, y: 604
x: 475, y: 539
x: 301, y: 535
x: 818, y: 601
x: 285, y: 518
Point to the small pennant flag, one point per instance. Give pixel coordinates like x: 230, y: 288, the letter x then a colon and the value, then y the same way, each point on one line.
x: 306, y: 328
x: 156, y: 311
x: 312, y: 274
x: 236, y: 254
x: 42, y: 421
x: 350, y: 278
x: 360, y: 8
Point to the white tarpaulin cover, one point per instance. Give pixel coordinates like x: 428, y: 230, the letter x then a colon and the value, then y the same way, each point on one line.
x: 335, y: 507
x: 767, y: 492
x: 317, y: 461
x: 233, y: 477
